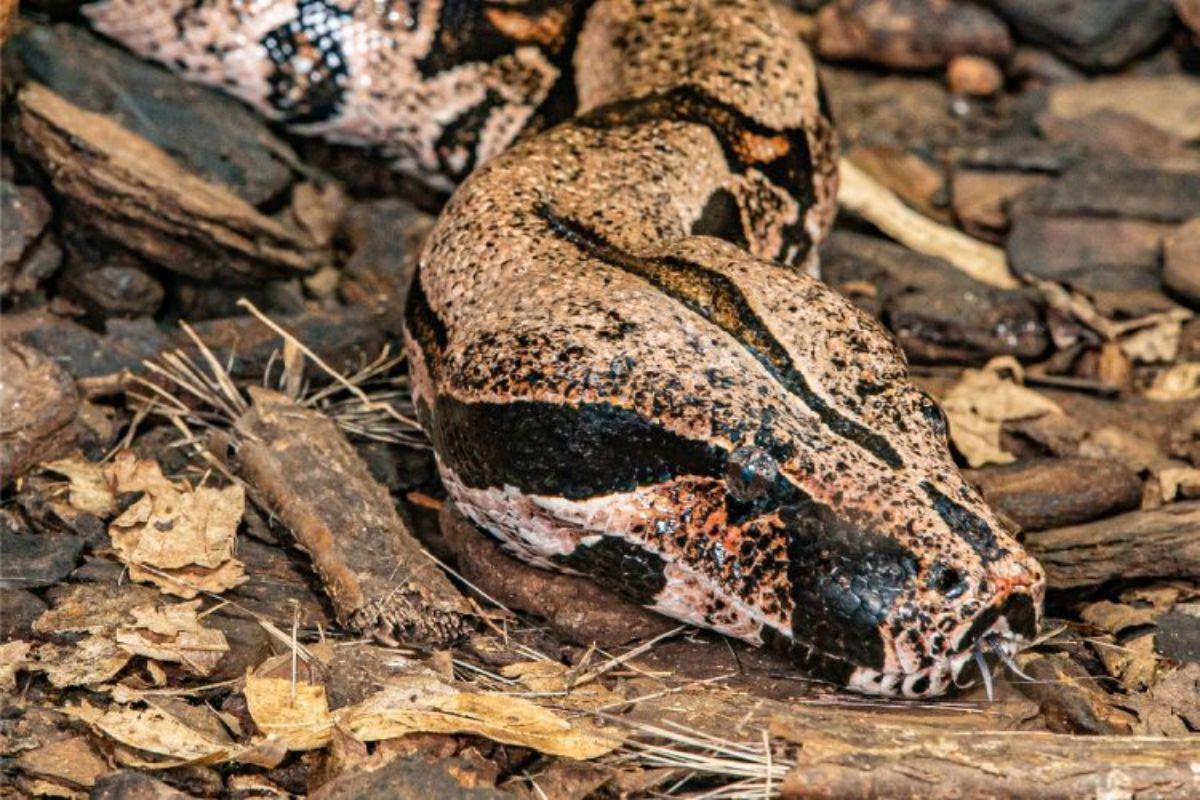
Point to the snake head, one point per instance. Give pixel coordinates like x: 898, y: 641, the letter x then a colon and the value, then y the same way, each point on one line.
x: 906, y: 585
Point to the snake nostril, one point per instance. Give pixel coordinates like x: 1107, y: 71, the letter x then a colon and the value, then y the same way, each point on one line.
x: 947, y: 580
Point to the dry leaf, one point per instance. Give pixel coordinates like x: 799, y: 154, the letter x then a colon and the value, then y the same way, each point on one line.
x: 94, y: 660
x: 426, y: 705
x: 299, y: 718
x: 153, y: 730
x: 1180, y: 382
x: 174, y: 633
x: 175, y: 536
x: 539, y: 676
x: 12, y: 660
x: 93, y: 608
x: 70, y: 761
x: 982, y: 401
x: 1154, y: 344
x: 89, y: 490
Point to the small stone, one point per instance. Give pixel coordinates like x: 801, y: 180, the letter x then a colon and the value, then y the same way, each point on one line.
x: 972, y: 76
x: 1094, y: 35
x: 1048, y: 493
x: 1181, y: 262
x: 909, y: 34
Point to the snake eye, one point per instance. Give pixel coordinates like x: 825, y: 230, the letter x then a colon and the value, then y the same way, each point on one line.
x: 749, y: 473
x: 947, y: 581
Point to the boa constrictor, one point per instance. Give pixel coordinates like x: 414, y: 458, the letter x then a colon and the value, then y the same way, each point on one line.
x: 615, y: 345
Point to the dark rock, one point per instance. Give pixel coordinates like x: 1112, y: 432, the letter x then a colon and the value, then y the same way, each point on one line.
x: 38, y: 406
x: 237, y: 148
x: 1116, y: 262
x: 1130, y: 191
x: 384, y: 238
x: 1035, y: 67
x: 18, y: 610
x: 1048, y: 493
x: 127, y: 784
x: 112, y: 290
x: 1020, y: 153
x: 909, y: 34
x: 83, y: 352
x: 1178, y: 635
x: 1107, y: 133
x: 30, y: 254
x: 1181, y: 262
x: 1094, y: 35
x: 938, y: 313
x: 410, y: 778
x: 30, y: 561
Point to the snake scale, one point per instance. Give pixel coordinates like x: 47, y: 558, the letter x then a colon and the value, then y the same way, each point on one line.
x: 616, y: 343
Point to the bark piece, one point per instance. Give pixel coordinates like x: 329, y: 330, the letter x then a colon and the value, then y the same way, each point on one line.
x: 1169, y: 102
x: 31, y: 560
x: 576, y: 608
x: 1105, y: 133
x: 980, y: 198
x: 1181, y: 262
x: 1049, y: 493
x: 1093, y: 35
x: 29, y: 255
x: 410, y: 777
x: 138, y: 197
x: 377, y: 576
x: 38, y: 406
x: 112, y: 290
x: 1163, y: 542
x: 130, y: 785
x: 237, y: 148
x: 909, y: 34
x: 1130, y: 191
x: 1115, y: 262
x: 937, y: 313
x: 869, y: 758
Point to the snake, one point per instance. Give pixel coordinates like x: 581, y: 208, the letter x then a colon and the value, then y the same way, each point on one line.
x: 617, y: 340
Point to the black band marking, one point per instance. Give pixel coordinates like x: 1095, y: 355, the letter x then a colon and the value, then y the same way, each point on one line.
x: 718, y: 299
x: 568, y: 451
x: 309, y: 67
x: 621, y: 566
x: 966, y: 524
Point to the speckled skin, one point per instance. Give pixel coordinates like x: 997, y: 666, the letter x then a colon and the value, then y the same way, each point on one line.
x: 615, y: 349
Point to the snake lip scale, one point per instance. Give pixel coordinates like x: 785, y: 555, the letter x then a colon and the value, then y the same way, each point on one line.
x: 616, y: 339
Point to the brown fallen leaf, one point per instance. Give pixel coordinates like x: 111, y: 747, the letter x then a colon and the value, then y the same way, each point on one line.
x: 982, y: 401
x: 154, y: 731
x: 94, y: 660
x: 70, y: 763
x: 426, y: 705
x: 175, y: 536
x: 296, y: 714
x: 1180, y: 382
x: 12, y: 660
x: 1172, y: 706
x: 93, y: 608
x: 174, y: 634
x: 89, y: 490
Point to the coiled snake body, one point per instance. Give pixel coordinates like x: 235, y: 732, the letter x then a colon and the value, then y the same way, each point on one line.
x: 615, y: 344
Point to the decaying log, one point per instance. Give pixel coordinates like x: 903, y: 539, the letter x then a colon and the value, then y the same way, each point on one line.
x: 377, y: 576
x: 863, y: 758
x: 575, y: 607
x: 1163, y: 542
x: 142, y: 199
